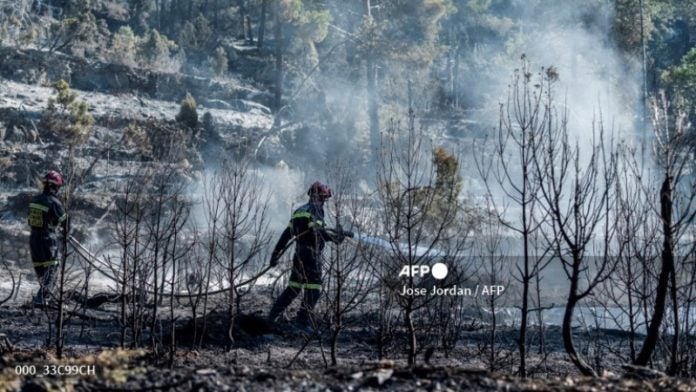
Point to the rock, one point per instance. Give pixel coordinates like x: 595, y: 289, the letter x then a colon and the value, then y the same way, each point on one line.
x: 37, y: 67
x: 379, y: 377
x: 250, y: 106
x: 216, y: 104
x: 32, y: 136
x: 15, y: 135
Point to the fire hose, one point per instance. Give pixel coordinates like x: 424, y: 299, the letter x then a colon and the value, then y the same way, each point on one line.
x: 92, y: 261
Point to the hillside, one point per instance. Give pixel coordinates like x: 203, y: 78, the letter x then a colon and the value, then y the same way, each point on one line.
x: 469, y: 194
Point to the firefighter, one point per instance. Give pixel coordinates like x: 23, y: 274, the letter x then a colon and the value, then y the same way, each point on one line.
x: 307, y: 227
x: 46, y: 212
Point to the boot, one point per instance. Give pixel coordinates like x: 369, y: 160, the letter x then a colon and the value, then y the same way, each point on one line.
x: 39, y: 299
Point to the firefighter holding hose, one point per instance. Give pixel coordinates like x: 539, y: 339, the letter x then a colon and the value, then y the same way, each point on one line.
x: 46, y: 212
x: 308, y: 230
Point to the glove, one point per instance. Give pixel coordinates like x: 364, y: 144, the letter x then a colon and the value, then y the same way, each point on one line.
x: 339, y: 237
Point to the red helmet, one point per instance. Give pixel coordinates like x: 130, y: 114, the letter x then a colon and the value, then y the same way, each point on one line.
x: 319, y: 189
x: 53, y: 177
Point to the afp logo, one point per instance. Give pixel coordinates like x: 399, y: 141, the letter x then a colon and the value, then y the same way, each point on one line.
x: 439, y: 271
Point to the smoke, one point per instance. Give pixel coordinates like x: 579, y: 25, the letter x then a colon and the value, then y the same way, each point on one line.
x: 595, y: 79
x: 286, y: 188
x: 576, y: 39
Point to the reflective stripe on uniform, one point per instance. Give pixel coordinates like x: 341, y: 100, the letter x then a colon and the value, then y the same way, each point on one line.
x: 298, y: 285
x: 38, y: 207
x: 318, y: 223
x: 301, y: 214
x: 62, y: 218
x: 46, y: 263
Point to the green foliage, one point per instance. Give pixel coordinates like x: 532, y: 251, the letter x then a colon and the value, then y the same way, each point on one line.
x: 136, y: 137
x: 308, y: 24
x: 76, y: 7
x: 314, y: 25
x: 141, y: 11
x: 16, y: 26
x: 72, y: 33
x: 682, y: 79
x: 124, y: 46
x: 196, y: 36
x: 685, y: 73
x: 188, y: 115
x: 155, y: 48
x: 403, y: 38
x: 448, y: 181
x: 627, y: 25
x: 68, y: 117
x: 208, y: 125
x: 410, y: 29
x: 219, y: 62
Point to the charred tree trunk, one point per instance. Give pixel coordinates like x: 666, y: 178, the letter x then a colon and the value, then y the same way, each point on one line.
x: 522, y: 341
x: 230, y: 309
x: 60, y: 335
x: 526, y: 278
x: 372, y: 105
x: 540, y: 315
x: 334, y: 344
x: 631, y: 315
x: 408, y: 320
x: 249, y: 31
x: 242, y: 19
x: 337, y: 311
x: 663, y: 283
x: 123, y: 299
x: 262, y: 24
x: 573, y: 299
x: 492, y: 336
x: 160, y: 12
x: 372, y: 99
x: 278, y: 58
x: 60, y: 319
x: 675, y: 310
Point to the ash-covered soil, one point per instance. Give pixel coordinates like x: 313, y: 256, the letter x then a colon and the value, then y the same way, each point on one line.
x: 279, y: 356
x: 134, y: 371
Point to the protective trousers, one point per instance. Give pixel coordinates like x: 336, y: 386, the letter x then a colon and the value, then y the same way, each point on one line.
x: 305, y: 315
x: 44, y: 256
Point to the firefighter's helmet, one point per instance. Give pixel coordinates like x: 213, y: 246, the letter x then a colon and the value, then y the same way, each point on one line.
x: 53, y: 177
x: 319, y: 189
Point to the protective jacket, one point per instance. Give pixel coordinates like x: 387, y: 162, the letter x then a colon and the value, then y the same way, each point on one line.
x: 307, y: 225
x: 46, y: 212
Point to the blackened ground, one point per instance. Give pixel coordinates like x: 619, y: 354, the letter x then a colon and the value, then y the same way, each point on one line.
x: 271, y: 357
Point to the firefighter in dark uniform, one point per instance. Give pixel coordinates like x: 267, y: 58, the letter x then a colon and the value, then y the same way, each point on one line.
x: 45, y: 214
x: 307, y: 227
